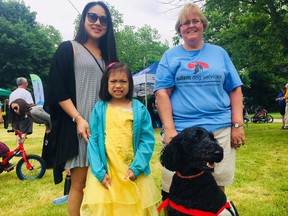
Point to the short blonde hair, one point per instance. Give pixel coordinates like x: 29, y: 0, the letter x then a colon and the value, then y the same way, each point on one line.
x: 187, y: 10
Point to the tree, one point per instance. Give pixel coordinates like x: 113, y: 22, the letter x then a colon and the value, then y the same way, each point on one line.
x: 139, y: 47
x: 255, y: 34
x: 26, y: 46
x: 136, y: 47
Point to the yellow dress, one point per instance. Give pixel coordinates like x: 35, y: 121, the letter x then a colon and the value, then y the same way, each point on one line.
x: 124, y: 197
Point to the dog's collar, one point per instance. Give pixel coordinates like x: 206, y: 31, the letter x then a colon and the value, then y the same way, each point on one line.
x: 194, y: 212
x: 189, y: 177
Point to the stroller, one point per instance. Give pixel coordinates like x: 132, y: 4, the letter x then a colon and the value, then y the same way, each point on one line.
x: 262, y: 116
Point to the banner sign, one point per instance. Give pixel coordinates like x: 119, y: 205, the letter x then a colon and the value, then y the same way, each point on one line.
x: 37, y: 89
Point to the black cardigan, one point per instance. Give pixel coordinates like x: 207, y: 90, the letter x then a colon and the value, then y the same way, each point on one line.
x: 61, y: 86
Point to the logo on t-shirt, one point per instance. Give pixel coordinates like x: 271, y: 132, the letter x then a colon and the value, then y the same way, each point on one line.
x: 197, y: 66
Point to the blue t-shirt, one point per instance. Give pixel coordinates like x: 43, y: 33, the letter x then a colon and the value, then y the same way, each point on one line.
x: 281, y: 103
x: 202, y: 80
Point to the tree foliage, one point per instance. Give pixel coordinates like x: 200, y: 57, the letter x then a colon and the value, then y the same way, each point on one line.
x: 26, y: 46
x: 137, y: 47
x: 255, y: 34
x: 140, y: 47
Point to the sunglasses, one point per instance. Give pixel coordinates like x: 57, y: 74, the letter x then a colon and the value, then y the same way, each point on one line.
x: 92, y: 17
x: 15, y: 108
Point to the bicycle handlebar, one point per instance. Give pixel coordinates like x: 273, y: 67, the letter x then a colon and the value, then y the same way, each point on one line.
x: 16, y: 131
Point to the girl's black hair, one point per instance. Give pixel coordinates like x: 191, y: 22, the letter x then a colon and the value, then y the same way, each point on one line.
x: 103, y: 93
x: 107, y: 43
x: 24, y: 109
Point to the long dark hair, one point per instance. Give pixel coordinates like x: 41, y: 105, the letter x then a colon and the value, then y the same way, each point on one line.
x: 107, y: 43
x: 103, y: 93
x: 24, y: 109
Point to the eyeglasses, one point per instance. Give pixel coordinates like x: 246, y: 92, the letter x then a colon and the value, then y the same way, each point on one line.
x: 92, y: 17
x: 188, y: 22
x: 15, y: 108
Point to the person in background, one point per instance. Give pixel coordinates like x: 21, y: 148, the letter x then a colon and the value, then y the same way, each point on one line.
x: 1, y: 116
x: 153, y: 111
x: 285, y: 97
x: 282, y: 104
x: 196, y: 84
x: 6, y: 112
x: 74, y: 81
x: 19, y: 110
x: 21, y: 91
x: 25, y: 124
x: 119, y: 151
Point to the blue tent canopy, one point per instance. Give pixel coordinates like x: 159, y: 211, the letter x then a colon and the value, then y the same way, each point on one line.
x: 144, y: 80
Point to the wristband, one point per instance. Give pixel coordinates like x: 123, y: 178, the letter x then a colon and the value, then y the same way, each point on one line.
x: 74, y: 119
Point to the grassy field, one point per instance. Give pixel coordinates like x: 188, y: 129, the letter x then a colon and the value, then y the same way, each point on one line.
x: 260, y: 188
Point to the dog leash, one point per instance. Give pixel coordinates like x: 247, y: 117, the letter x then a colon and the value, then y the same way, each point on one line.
x: 193, y: 212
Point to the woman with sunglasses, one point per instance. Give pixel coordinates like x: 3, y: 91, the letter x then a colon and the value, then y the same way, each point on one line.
x: 21, y: 111
x: 75, y: 76
x: 19, y: 115
x: 196, y: 84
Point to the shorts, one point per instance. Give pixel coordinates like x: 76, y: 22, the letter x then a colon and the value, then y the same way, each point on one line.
x: 282, y: 110
x: 223, y: 172
x: 25, y: 126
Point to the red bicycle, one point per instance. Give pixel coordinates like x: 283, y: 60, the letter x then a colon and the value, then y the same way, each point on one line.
x: 29, y: 167
x: 262, y: 116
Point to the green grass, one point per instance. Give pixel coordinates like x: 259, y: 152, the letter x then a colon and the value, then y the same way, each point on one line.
x: 260, y: 187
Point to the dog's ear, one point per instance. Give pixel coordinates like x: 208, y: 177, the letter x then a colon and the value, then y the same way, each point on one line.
x: 170, y: 156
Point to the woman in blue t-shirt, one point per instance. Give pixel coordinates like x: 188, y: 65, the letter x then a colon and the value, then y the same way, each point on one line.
x: 197, y: 84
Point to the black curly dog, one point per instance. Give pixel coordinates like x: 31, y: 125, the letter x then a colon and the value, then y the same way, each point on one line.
x: 194, y: 191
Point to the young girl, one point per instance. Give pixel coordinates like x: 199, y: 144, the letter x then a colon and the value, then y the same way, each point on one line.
x: 119, y: 151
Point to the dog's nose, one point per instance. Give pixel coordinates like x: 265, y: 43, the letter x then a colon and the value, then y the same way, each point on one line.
x: 218, y: 155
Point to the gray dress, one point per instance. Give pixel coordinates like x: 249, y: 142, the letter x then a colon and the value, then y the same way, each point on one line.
x: 87, y: 77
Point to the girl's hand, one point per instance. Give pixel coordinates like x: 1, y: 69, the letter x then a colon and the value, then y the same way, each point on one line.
x: 106, y: 181
x: 130, y: 175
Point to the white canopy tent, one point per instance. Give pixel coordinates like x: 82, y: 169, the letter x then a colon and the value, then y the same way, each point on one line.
x: 144, y: 81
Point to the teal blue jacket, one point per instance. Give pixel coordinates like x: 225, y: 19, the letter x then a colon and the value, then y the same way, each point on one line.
x: 143, y: 140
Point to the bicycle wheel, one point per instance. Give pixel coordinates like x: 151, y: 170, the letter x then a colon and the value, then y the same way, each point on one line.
x: 246, y: 120
x: 37, y: 171
x: 270, y: 119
